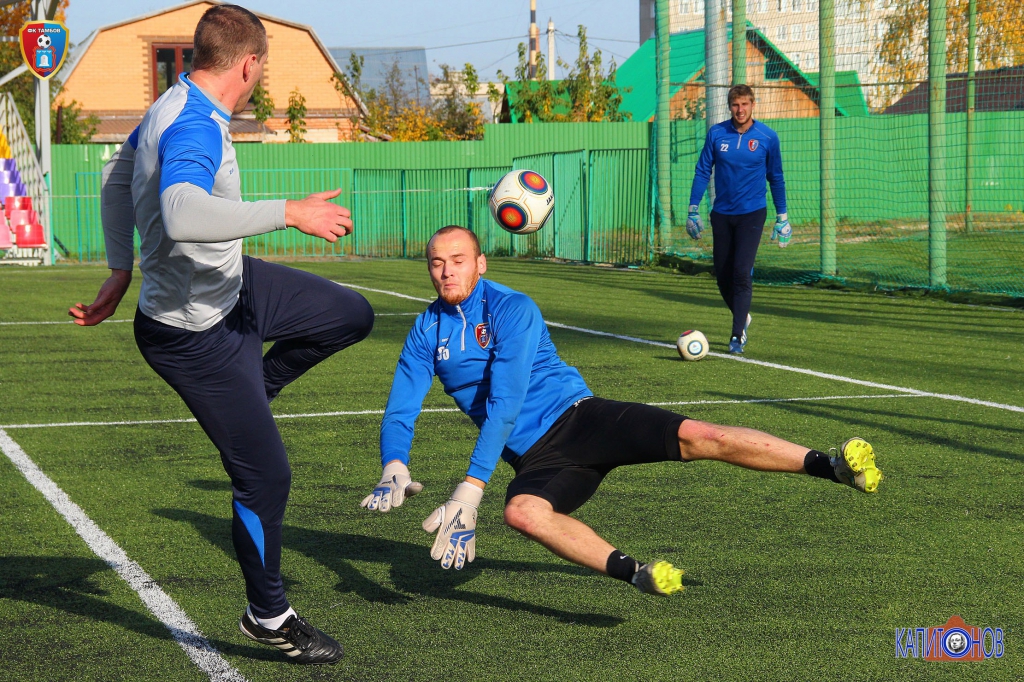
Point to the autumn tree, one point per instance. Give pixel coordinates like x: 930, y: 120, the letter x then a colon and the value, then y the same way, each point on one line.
x: 455, y: 114
x: 589, y: 93
x: 903, y: 57
x: 394, y: 113
x: 532, y: 101
x: 296, y: 114
x: 593, y: 93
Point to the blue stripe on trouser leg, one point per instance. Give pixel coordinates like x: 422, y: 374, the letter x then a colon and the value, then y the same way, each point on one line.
x: 253, y: 525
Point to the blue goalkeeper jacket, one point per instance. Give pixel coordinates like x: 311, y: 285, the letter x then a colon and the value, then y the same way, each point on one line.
x: 742, y: 162
x: 494, y: 356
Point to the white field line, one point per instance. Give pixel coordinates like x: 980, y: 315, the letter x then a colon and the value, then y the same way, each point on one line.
x: 314, y: 415
x: 166, y: 610
x: 760, y: 363
x: 20, y: 324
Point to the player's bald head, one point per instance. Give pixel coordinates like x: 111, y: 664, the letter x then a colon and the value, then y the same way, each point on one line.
x: 459, y: 230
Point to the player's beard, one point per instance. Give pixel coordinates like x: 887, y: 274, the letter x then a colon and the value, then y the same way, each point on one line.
x: 460, y: 294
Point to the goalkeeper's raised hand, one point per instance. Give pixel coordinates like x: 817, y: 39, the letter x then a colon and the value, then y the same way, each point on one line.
x: 395, y: 485
x: 455, y: 523
x: 693, y: 225
x: 783, y: 231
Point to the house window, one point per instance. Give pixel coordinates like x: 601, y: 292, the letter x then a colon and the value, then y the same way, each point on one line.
x: 798, y: 32
x: 780, y: 32
x: 798, y: 5
x: 168, y: 62
x: 762, y: 5
x: 812, y: 5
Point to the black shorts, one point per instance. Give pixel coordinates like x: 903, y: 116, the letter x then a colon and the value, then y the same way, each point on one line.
x: 590, y: 439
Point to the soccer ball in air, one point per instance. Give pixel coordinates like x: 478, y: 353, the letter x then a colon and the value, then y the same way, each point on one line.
x: 692, y: 345
x: 521, y: 202
x: 43, y: 41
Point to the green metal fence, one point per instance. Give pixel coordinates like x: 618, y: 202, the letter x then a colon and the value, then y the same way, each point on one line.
x: 604, y: 208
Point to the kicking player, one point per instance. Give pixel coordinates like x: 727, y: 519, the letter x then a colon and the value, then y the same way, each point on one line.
x: 205, y: 309
x: 490, y: 348
x: 744, y: 153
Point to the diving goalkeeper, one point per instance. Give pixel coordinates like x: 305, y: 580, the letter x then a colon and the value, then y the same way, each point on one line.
x: 490, y: 349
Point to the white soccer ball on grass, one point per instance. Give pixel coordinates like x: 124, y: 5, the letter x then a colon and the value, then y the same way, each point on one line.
x: 692, y: 345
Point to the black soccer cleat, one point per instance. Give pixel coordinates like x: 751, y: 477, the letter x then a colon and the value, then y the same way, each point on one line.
x: 297, y: 639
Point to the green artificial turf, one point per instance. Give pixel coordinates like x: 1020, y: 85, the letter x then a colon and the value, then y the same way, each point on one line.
x: 787, y: 577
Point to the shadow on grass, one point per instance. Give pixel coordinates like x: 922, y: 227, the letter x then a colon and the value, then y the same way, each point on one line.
x: 67, y: 584
x: 411, y: 570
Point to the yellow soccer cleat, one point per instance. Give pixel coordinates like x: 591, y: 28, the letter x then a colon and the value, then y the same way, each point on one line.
x: 855, y: 466
x: 659, y: 578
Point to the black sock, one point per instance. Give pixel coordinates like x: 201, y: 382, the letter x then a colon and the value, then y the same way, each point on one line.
x: 621, y: 566
x: 817, y: 463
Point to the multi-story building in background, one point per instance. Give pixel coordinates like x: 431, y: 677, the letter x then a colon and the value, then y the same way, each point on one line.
x: 792, y: 25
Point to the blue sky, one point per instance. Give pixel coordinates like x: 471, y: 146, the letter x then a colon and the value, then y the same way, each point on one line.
x: 612, y: 25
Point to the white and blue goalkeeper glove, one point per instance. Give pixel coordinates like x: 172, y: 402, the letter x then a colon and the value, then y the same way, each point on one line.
x: 395, y: 485
x: 783, y: 231
x: 455, y: 523
x: 693, y: 224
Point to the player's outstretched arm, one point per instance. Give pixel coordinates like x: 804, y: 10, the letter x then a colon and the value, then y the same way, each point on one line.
x: 317, y: 216
x: 455, y: 525
x: 117, y: 214
x: 395, y: 485
x: 110, y: 294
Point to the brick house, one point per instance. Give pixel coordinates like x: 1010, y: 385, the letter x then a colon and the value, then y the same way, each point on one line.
x: 119, y: 70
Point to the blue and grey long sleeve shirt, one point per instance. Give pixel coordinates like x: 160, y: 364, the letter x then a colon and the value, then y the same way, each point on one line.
x: 494, y: 356
x: 743, y: 162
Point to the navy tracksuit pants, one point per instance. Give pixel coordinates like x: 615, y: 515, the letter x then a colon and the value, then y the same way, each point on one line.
x: 736, y: 240
x: 227, y: 383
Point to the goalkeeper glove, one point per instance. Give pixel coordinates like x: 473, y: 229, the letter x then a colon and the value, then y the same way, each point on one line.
x: 693, y: 224
x: 395, y: 485
x: 783, y: 231
x: 456, y: 519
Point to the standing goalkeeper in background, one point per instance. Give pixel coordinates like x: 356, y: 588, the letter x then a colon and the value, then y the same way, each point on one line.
x: 744, y: 153
x: 205, y: 310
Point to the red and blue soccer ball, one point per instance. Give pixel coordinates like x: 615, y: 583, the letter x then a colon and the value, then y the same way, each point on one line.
x: 521, y: 202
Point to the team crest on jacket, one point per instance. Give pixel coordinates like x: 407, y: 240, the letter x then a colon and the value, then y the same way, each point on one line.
x: 483, y: 334
x: 752, y: 145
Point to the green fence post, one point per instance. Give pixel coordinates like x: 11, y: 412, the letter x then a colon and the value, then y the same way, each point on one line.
x: 972, y: 31
x: 662, y: 123
x: 827, y: 135
x: 469, y: 201
x: 589, y: 168
x: 936, y: 143
x: 739, y: 41
x: 405, y: 221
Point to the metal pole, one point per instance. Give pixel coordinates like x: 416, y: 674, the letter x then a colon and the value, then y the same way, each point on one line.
x: 662, y: 122
x: 972, y: 31
x: 43, y: 137
x: 551, y: 50
x: 716, y: 71
x: 827, y: 134
x: 936, y: 143
x: 739, y: 41
x: 534, y: 39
